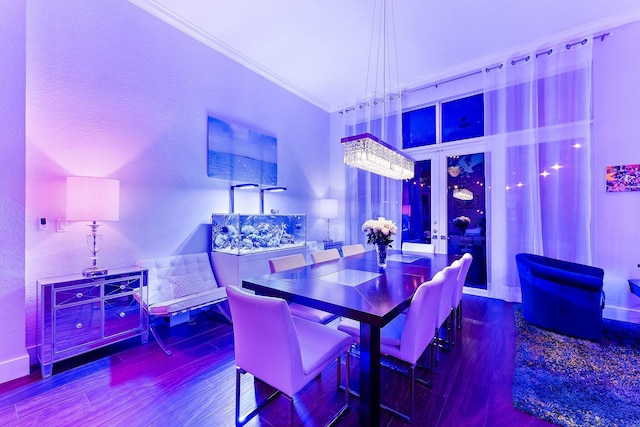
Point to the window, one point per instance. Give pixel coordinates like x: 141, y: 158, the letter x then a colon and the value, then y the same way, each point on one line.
x: 463, y: 118
x: 419, y: 127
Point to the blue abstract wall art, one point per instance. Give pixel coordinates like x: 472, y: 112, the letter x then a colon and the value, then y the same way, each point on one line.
x: 236, y: 153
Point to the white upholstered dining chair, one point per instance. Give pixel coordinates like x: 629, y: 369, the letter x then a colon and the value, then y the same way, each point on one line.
x: 355, y: 249
x: 289, y: 262
x: 408, y: 335
x: 326, y: 255
x: 283, y: 351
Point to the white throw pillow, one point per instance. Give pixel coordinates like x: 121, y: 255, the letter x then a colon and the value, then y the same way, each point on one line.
x: 187, y: 284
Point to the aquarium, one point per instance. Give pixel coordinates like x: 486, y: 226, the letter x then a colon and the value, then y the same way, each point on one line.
x: 244, y: 234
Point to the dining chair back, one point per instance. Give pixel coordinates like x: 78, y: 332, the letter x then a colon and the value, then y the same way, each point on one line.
x: 355, y: 249
x: 418, y: 248
x: 285, y: 352
x: 289, y: 262
x: 286, y: 262
x: 326, y: 255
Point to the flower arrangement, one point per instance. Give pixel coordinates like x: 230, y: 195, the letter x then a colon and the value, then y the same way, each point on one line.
x: 379, y: 231
x: 462, y: 222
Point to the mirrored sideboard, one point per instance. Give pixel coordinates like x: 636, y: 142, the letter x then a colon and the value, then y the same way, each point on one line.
x: 77, y: 314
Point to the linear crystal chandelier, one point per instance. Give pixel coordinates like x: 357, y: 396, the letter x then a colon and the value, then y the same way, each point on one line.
x: 365, y: 151
x: 369, y: 153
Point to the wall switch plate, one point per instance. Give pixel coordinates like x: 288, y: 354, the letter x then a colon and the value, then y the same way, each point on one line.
x: 61, y: 225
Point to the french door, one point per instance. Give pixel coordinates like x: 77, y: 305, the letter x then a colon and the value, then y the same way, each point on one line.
x: 445, y: 205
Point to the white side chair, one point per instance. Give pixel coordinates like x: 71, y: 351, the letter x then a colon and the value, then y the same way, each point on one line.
x: 358, y: 248
x: 418, y: 248
x: 456, y: 303
x: 286, y: 263
x: 407, y: 336
x: 285, y: 352
x: 295, y: 261
x: 326, y: 255
x: 445, y: 309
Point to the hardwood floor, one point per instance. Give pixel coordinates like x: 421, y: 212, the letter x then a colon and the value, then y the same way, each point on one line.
x: 129, y: 384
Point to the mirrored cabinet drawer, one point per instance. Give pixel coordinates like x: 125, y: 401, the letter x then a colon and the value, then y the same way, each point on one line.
x: 121, y: 287
x: 121, y: 315
x: 77, y: 294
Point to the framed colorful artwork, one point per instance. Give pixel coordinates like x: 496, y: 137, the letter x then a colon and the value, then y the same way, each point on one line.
x: 623, y: 178
x: 236, y: 153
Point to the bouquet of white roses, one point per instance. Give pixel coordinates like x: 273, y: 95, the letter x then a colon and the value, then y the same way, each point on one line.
x: 379, y: 231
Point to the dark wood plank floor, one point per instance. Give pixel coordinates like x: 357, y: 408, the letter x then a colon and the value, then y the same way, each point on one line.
x: 133, y: 384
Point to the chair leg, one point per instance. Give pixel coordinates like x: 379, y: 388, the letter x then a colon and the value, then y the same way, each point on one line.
x: 431, y: 366
x: 246, y: 418
x: 291, y: 410
x: 437, y: 344
x: 459, y: 315
x: 412, y: 392
x: 347, y: 392
x: 451, y: 327
x: 159, y: 341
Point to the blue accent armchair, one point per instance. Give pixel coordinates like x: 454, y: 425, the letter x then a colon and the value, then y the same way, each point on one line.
x: 562, y: 296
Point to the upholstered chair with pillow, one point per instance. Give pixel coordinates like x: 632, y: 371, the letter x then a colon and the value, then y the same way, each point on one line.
x: 178, y: 285
x: 283, y: 351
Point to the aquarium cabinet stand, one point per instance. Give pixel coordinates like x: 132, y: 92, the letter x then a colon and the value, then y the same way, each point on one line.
x: 231, y: 269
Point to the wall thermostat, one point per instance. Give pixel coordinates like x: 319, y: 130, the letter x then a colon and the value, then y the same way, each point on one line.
x: 42, y: 223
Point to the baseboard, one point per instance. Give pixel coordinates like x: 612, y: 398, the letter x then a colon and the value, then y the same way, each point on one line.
x: 621, y: 313
x: 14, y: 368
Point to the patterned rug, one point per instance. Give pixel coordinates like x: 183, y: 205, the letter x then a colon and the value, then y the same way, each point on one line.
x: 574, y: 382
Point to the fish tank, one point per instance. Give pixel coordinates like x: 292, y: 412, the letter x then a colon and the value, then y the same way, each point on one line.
x: 245, y: 234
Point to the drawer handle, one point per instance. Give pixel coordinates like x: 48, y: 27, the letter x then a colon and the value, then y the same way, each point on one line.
x: 122, y: 314
x: 79, y: 295
x: 79, y: 325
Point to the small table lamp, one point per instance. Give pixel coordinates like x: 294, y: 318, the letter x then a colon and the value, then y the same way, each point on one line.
x: 328, y: 210
x: 93, y: 199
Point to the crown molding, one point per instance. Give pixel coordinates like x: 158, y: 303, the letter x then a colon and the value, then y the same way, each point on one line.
x: 218, y: 45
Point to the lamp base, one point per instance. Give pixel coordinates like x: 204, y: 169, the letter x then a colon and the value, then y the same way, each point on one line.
x: 94, y: 271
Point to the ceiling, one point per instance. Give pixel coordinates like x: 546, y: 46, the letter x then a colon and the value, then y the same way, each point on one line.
x: 319, y: 49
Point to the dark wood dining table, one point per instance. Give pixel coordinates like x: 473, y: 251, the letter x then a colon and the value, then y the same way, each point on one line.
x: 355, y: 287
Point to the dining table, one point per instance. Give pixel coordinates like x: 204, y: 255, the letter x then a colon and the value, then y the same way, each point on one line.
x: 355, y: 287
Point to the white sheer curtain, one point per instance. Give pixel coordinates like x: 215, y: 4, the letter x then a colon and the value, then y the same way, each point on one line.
x: 537, y: 122
x: 368, y: 195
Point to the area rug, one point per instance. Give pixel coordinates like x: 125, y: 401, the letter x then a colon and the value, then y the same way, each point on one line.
x: 574, y: 382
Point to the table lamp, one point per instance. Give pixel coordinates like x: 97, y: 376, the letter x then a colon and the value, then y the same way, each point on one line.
x: 93, y: 199
x: 329, y: 211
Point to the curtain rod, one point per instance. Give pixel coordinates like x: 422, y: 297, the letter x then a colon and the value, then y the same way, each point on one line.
x: 549, y: 51
x: 487, y: 69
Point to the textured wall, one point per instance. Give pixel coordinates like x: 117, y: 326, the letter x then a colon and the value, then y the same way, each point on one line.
x: 113, y: 91
x: 13, y: 357
x: 615, y: 220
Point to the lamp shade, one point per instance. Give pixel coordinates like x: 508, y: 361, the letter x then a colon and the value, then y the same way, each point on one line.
x: 93, y: 199
x: 329, y: 208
